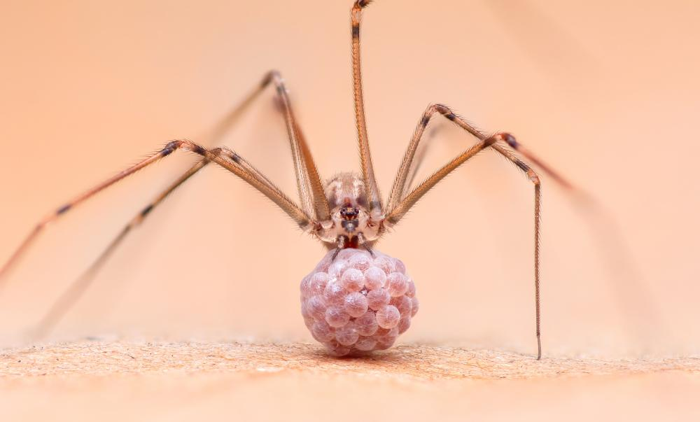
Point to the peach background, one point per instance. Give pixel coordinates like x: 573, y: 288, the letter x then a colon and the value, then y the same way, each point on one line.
x: 606, y: 92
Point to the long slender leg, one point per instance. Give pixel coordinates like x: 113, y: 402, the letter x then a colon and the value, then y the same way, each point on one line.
x: 309, y: 184
x: 78, y: 287
x: 307, y: 178
x: 375, y: 200
x: 313, y: 198
x: 211, y: 138
x: 401, y: 208
x: 614, y: 252
x: 402, y: 180
x: 50, y: 218
x: 395, y: 214
x: 224, y: 158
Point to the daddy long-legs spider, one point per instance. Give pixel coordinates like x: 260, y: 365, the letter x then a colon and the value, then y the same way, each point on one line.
x: 347, y: 212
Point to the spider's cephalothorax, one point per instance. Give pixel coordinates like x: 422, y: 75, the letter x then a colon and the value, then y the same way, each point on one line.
x: 351, y: 225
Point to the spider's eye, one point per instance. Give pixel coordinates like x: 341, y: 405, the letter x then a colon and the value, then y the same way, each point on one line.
x: 349, y: 213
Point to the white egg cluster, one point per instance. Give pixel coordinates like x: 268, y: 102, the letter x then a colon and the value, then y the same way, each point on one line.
x: 356, y: 302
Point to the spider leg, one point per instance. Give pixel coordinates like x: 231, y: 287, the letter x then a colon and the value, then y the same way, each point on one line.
x: 222, y: 157
x: 307, y: 178
x: 411, y: 161
x: 363, y: 242
x: 309, y: 184
x: 399, y: 204
x: 339, y: 246
x: 63, y: 304
x: 76, y: 290
x: 311, y: 192
x: 375, y: 200
x: 397, y: 212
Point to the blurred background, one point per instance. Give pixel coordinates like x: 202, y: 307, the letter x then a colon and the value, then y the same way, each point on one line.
x: 606, y: 92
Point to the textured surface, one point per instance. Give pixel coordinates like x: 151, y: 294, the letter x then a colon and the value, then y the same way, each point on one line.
x: 127, y: 379
x: 409, y: 362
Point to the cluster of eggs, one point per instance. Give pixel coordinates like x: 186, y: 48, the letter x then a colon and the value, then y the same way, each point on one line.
x: 358, y: 302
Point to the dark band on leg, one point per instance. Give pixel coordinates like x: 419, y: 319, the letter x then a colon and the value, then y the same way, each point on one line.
x: 147, y: 210
x: 170, y: 148
x: 524, y: 167
x: 63, y: 209
x: 199, y: 150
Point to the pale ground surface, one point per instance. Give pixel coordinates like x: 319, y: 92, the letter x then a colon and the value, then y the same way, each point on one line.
x: 122, y: 379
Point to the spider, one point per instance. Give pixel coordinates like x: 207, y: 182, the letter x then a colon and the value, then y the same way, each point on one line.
x: 346, y: 212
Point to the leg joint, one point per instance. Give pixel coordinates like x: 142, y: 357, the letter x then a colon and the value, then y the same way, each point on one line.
x: 276, y: 78
x: 183, y: 144
x: 437, y: 108
x: 170, y: 148
x: 426, y: 119
x: 491, y: 140
x: 272, y: 75
x: 442, y: 109
x: 534, y: 178
x: 510, y: 140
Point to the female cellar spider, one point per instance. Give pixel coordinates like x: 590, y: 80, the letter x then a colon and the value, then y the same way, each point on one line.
x: 348, y: 212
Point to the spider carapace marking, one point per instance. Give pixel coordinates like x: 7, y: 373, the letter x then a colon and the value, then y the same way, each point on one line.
x: 351, y: 224
x: 347, y: 212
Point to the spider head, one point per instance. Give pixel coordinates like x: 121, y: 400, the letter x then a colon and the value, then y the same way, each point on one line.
x: 349, y: 216
x: 346, y: 195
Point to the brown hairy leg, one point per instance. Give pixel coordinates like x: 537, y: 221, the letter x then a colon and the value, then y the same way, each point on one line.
x: 374, y: 197
x: 223, y: 157
x: 399, y: 202
x: 308, y: 182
